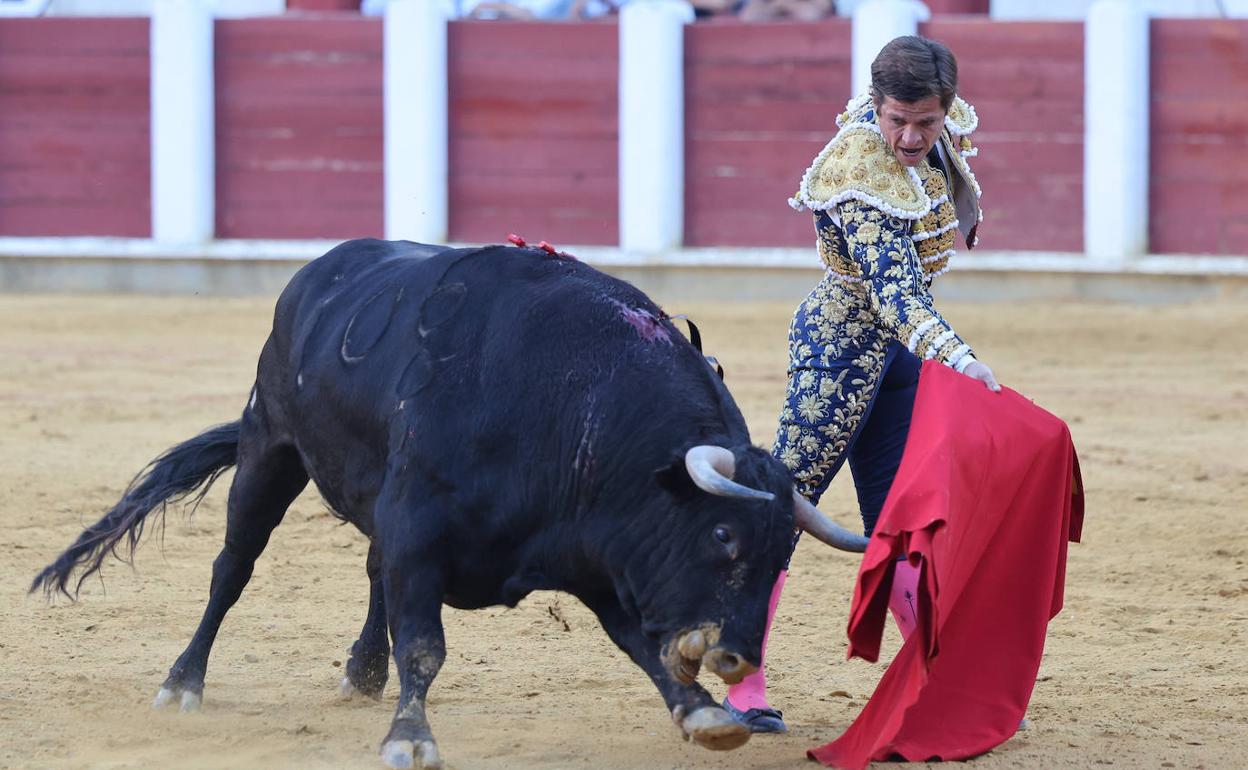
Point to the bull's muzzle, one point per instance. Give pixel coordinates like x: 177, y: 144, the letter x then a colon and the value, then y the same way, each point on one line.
x: 729, y: 666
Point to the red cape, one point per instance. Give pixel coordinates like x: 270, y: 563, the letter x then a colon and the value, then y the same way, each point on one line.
x: 987, y: 495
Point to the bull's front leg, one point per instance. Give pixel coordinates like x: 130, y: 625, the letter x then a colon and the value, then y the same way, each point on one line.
x: 693, y: 709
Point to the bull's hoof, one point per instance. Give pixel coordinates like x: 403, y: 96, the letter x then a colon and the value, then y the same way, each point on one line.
x: 403, y: 755
x: 713, y: 728
x: 189, y: 701
x: 367, y: 671
x: 347, y: 690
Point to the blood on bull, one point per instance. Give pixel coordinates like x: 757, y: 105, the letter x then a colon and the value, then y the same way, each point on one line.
x: 495, y: 421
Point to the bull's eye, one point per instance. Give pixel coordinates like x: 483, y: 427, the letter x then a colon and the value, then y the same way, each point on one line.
x: 723, y: 535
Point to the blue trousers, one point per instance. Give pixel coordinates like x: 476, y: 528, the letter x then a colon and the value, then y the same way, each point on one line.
x: 875, y: 446
x: 875, y: 452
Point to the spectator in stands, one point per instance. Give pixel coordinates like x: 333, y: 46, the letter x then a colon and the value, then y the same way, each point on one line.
x: 516, y: 9
x: 706, y: 9
x: 702, y: 9
x: 595, y: 9
x: 748, y: 10
x: 787, y: 10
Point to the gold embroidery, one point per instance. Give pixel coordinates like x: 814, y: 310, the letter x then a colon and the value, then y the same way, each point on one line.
x: 934, y: 232
x: 961, y: 118
x: 829, y: 388
x: 897, y: 295
x: 946, y: 350
x: 832, y: 250
x: 857, y: 164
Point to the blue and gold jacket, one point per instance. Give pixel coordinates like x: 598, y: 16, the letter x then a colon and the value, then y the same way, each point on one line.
x: 888, y: 229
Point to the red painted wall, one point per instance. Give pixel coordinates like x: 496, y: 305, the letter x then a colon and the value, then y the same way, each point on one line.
x: 761, y: 100
x: 1025, y: 81
x: 299, y: 127
x: 534, y: 129
x: 533, y: 132
x: 74, y: 127
x: 1198, y: 196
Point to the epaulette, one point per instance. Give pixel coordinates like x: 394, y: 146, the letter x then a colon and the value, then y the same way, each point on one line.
x: 961, y: 120
x: 858, y: 165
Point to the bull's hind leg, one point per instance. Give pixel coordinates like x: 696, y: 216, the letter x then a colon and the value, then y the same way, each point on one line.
x: 267, y: 480
x: 413, y: 579
x: 369, y: 664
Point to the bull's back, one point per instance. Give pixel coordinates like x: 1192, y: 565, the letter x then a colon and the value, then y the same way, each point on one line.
x: 341, y: 273
x: 379, y: 321
x: 340, y: 315
x: 374, y: 323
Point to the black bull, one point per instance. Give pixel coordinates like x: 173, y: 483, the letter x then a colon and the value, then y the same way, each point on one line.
x: 496, y: 421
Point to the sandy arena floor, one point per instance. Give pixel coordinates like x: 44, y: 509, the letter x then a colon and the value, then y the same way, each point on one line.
x: 1146, y: 667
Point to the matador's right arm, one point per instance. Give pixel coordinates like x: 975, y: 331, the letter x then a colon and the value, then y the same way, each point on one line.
x: 882, y: 248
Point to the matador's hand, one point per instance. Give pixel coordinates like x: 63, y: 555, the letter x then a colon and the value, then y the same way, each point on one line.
x: 980, y: 371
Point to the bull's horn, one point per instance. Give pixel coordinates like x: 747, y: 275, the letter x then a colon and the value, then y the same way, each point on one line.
x: 828, y: 532
x: 711, y: 468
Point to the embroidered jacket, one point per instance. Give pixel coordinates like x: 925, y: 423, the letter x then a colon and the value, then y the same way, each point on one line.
x: 889, y: 228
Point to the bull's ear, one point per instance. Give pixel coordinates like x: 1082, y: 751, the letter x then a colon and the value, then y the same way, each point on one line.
x: 674, y: 478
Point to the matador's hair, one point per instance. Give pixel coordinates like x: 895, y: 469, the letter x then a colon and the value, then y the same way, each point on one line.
x: 912, y: 68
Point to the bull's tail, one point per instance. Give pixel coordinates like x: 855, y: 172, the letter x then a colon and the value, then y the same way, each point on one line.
x: 184, y: 472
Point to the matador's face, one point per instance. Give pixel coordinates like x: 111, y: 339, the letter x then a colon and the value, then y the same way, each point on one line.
x: 911, y: 128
